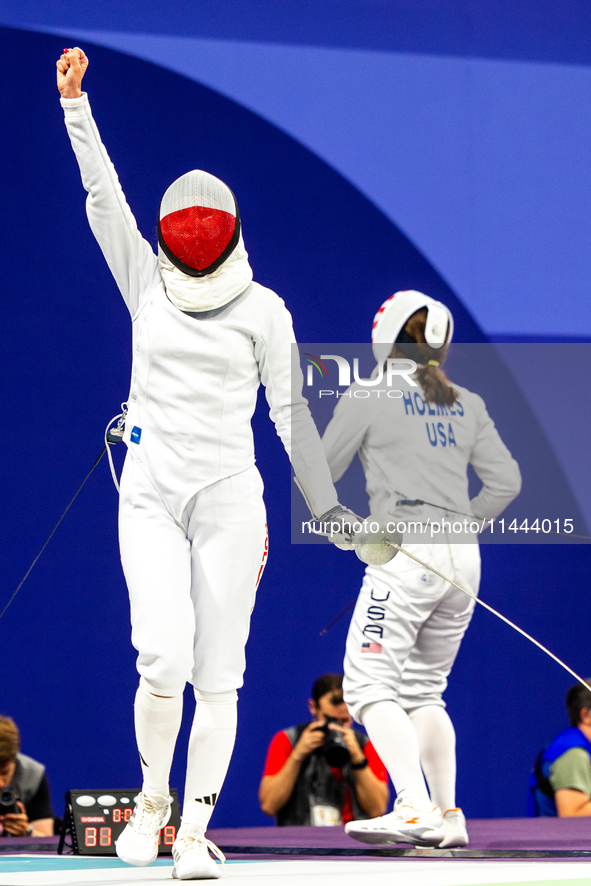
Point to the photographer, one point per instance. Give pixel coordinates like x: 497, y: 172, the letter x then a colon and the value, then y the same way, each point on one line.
x: 323, y: 772
x: 560, y: 782
x: 25, y: 803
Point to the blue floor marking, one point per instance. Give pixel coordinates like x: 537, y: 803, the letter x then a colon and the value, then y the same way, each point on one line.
x: 18, y: 864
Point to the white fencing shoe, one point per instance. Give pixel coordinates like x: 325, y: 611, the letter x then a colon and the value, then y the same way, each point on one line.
x: 404, y: 824
x: 454, y: 824
x: 192, y: 860
x: 138, y: 843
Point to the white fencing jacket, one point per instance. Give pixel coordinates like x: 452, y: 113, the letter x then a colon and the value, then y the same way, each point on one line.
x: 412, y: 450
x: 195, y: 376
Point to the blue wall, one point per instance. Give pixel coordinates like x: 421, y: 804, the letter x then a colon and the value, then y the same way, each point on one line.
x: 334, y: 254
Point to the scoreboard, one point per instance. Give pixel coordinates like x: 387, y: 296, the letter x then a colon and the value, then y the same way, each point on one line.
x: 94, y: 820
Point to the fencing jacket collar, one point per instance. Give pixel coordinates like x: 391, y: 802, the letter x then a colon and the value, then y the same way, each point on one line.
x: 207, y: 293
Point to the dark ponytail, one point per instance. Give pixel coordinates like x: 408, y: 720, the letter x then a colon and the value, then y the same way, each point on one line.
x: 411, y: 343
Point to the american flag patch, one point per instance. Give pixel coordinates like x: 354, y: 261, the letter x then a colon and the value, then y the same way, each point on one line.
x: 371, y: 647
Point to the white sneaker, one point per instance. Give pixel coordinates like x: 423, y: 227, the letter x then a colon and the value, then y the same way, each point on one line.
x: 404, y: 824
x: 138, y: 843
x: 454, y: 824
x: 192, y: 860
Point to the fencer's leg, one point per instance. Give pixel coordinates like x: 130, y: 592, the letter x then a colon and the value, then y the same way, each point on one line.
x: 210, y: 748
x: 157, y: 713
x: 228, y: 534
x: 393, y: 604
x: 157, y: 722
x: 414, y: 819
x: 155, y: 554
x: 227, y: 517
x: 227, y: 529
x: 394, y: 738
x: 156, y: 560
x: 428, y: 667
x: 437, y: 743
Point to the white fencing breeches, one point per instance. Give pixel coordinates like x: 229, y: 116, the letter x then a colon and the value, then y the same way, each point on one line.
x: 407, y: 627
x: 192, y: 587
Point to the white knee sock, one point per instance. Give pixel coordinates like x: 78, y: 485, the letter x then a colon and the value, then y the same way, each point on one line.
x: 395, y: 740
x: 157, y: 724
x: 210, y: 748
x: 437, y: 741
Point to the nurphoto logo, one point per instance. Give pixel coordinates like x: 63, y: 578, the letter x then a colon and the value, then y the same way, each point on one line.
x: 393, y: 370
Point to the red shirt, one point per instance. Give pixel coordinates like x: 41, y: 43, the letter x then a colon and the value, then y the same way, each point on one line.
x: 280, y: 749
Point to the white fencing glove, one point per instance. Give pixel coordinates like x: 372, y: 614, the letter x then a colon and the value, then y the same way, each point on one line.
x: 341, y: 526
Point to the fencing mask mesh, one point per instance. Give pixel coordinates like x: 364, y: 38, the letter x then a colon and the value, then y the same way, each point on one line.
x: 198, y: 223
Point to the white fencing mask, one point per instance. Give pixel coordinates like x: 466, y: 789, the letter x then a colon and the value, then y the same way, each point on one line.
x: 202, y: 257
x: 198, y: 223
x: 393, y: 314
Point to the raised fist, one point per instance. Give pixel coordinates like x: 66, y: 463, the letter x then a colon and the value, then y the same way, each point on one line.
x: 71, y: 68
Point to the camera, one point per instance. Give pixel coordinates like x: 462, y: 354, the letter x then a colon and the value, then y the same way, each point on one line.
x: 8, y: 802
x: 336, y: 752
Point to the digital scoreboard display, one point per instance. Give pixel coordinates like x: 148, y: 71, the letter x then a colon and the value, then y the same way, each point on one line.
x: 94, y: 820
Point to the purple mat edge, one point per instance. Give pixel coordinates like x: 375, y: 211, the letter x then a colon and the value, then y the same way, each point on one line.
x: 510, y: 834
x: 485, y: 834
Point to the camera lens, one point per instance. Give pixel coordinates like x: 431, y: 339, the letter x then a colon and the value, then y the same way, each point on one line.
x: 8, y: 801
x: 336, y: 752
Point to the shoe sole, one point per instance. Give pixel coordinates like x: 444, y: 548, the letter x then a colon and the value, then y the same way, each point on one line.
x: 198, y: 872
x: 454, y: 844
x: 429, y: 840
x: 134, y: 862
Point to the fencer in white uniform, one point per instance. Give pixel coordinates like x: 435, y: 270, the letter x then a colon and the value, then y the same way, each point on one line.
x: 192, y: 519
x: 408, y: 623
